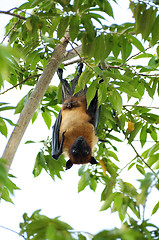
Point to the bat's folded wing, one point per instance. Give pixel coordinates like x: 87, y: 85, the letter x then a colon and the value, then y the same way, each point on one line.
x: 56, y: 146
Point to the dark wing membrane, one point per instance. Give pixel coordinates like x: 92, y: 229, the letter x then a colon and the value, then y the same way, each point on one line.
x: 56, y: 146
x: 65, y: 87
x: 94, y: 111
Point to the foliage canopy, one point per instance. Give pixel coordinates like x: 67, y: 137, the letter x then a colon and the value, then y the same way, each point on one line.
x: 128, y: 55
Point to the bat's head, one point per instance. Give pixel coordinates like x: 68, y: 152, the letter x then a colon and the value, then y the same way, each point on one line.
x: 80, y: 153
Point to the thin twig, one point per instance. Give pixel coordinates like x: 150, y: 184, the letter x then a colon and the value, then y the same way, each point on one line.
x: 74, y: 61
x: 126, y: 165
x: 12, y: 231
x: 10, y: 30
x: 37, y: 75
x: 129, y: 105
x: 13, y: 14
x: 80, y: 56
x: 135, y: 55
x: 139, y: 156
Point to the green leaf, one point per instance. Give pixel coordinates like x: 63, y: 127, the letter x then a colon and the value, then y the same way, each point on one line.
x: 118, y: 200
x: 87, y: 23
x: 140, y: 169
x: 6, y: 108
x: 88, y: 47
x: 106, y: 7
x: 34, y: 116
x: 51, y: 231
x: 155, y: 31
x: 149, y: 152
x: 153, y: 133
x: 91, y: 92
x: 102, y: 92
x: 93, y: 184
x: 107, y: 203
x: 110, y: 136
x: 83, y: 79
x: 81, y: 170
x: 107, y: 191
x: 6, y: 195
x: 47, y: 118
x: 149, y: 117
x: 133, y: 134
x: 62, y: 26
x: 115, y: 100
x: 135, y: 42
x: 3, y: 172
x: 10, y: 122
x: 35, y: 3
x: 153, y: 159
x: 116, y: 46
x: 147, y: 22
x: 99, y: 49
x: 82, y: 183
x: 3, y: 127
x: 113, y: 155
x: 81, y: 237
x: 126, y: 87
x: 143, y: 135
x: 74, y: 27
x: 76, y: 5
x: 108, y: 45
x: 155, y: 209
x: 126, y: 48
x: 39, y: 164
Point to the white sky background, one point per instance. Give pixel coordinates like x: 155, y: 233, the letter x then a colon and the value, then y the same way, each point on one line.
x: 58, y: 198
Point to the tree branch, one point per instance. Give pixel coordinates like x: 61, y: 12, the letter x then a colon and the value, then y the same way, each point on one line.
x: 129, y: 105
x: 13, y: 14
x: 33, y: 102
x: 68, y: 55
x: 37, y: 75
x: 10, y: 30
x: 74, y: 52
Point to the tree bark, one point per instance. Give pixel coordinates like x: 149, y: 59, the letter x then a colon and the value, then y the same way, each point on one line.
x: 33, y: 102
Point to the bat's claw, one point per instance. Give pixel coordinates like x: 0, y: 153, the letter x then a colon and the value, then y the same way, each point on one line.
x: 69, y: 164
x: 93, y: 160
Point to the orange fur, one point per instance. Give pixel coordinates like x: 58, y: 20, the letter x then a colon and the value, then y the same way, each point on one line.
x: 75, y: 123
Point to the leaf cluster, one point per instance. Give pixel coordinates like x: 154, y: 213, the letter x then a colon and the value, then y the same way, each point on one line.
x: 116, y: 54
x: 38, y: 226
x: 41, y: 227
x: 6, y: 185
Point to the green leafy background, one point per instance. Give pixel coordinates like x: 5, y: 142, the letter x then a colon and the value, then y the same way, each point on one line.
x: 128, y: 54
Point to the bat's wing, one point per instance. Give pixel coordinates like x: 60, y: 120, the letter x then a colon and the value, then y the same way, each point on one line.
x: 66, y: 89
x: 56, y: 146
x: 94, y: 111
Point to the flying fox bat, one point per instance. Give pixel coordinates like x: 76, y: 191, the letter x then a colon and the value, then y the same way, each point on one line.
x: 74, y: 131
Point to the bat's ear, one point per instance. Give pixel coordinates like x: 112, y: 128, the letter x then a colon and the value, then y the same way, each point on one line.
x: 69, y: 164
x: 93, y: 160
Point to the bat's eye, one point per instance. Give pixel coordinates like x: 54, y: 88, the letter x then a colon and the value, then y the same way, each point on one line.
x: 75, y: 152
x: 86, y: 152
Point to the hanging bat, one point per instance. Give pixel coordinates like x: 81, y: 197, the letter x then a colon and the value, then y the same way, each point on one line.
x: 74, y: 131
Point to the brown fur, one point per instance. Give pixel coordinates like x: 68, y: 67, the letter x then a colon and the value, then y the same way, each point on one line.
x: 75, y: 123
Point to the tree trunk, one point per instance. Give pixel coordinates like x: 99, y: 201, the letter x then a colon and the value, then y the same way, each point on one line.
x: 34, y: 100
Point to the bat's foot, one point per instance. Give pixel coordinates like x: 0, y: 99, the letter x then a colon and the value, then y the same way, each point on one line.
x: 93, y: 160
x: 69, y: 164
